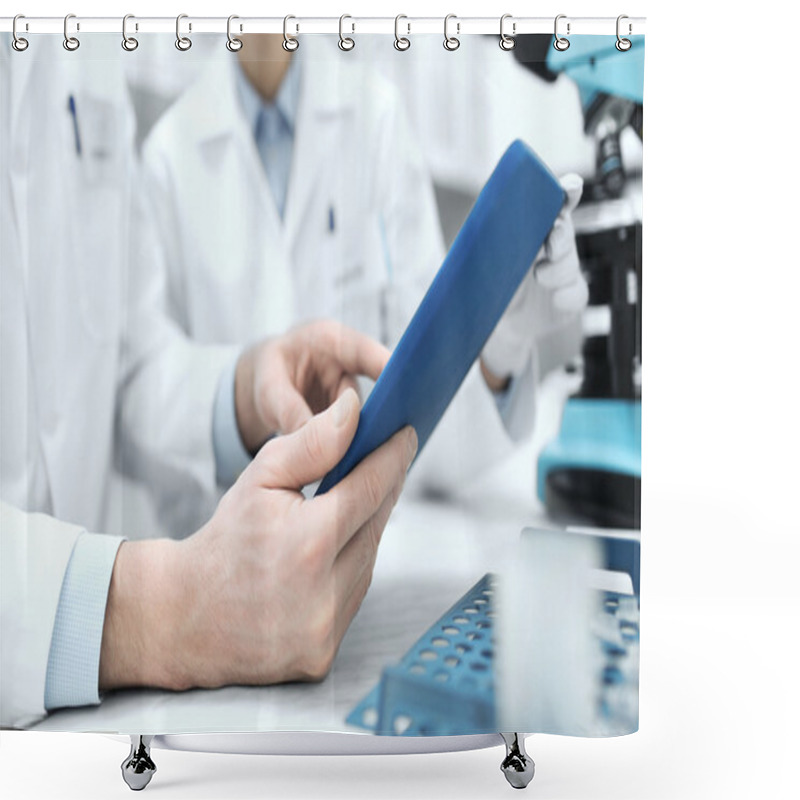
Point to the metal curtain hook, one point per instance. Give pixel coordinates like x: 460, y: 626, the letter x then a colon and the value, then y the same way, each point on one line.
x: 623, y: 44
x: 401, y: 43
x: 451, y: 42
x: 128, y: 42
x: 345, y: 42
x: 561, y: 43
x: 183, y: 43
x: 18, y: 42
x: 71, y: 43
x: 233, y: 44
x: 507, y: 42
x: 290, y: 43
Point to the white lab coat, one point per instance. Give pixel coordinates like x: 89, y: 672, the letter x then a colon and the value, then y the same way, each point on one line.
x: 238, y: 272
x: 84, y: 343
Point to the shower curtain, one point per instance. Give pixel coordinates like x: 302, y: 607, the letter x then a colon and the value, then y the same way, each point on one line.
x: 209, y: 252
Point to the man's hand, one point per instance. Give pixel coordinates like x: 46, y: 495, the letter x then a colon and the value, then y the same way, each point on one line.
x: 265, y: 591
x: 282, y: 382
x: 555, y: 278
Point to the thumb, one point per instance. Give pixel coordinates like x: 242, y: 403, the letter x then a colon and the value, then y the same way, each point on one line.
x: 572, y: 184
x: 288, y: 406
x: 308, y: 454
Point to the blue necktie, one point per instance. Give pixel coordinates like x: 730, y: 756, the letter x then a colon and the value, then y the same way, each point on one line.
x: 274, y: 140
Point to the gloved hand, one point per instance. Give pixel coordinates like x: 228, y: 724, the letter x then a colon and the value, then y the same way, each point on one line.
x: 553, y: 291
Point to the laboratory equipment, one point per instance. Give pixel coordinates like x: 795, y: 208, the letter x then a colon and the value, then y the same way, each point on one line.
x: 446, y: 683
x: 591, y: 472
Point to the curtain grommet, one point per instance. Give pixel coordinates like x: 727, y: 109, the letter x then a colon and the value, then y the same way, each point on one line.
x: 451, y: 43
x: 129, y: 43
x: 346, y: 43
x: 71, y: 43
x: 182, y: 43
x: 401, y: 43
x: 290, y: 42
x: 623, y: 45
x: 507, y: 42
x: 561, y: 43
x: 233, y: 44
x: 19, y: 43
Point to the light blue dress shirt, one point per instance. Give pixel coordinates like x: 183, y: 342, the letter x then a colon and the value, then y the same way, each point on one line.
x: 73, y: 666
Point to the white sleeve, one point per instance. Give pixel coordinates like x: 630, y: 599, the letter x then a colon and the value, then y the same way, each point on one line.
x: 30, y: 586
x: 167, y: 389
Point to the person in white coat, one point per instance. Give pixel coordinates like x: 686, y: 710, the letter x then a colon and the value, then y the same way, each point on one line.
x: 85, y: 345
x: 289, y: 187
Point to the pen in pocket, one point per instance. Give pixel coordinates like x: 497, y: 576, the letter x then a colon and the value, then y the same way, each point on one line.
x: 73, y: 111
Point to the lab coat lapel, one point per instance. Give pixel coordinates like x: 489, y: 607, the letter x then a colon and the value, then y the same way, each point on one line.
x: 221, y: 123
x: 220, y: 115
x: 21, y: 68
x: 227, y: 119
x: 317, y: 133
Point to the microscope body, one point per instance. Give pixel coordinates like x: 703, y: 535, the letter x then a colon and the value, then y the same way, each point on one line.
x: 591, y: 472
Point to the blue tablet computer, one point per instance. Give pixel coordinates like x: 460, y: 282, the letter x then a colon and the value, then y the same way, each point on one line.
x: 488, y: 260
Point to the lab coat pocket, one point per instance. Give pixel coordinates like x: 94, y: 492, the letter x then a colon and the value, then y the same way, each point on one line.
x: 98, y: 139
x: 102, y: 212
x: 363, y: 279
x: 321, y: 296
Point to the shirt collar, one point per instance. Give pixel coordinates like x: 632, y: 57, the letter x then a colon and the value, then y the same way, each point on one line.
x: 285, y: 101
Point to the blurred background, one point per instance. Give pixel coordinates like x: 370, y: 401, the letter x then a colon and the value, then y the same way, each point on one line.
x: 484, y: 97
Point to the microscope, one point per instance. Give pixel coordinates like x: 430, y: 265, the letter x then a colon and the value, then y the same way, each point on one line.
x: 590, y: 474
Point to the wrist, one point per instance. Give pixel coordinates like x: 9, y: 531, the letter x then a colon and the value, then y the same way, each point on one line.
x: 496, y: 383
x: 247, y: 418
x: 142, y: 617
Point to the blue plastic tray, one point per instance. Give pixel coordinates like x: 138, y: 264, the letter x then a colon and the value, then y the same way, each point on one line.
x: 444, y: 685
